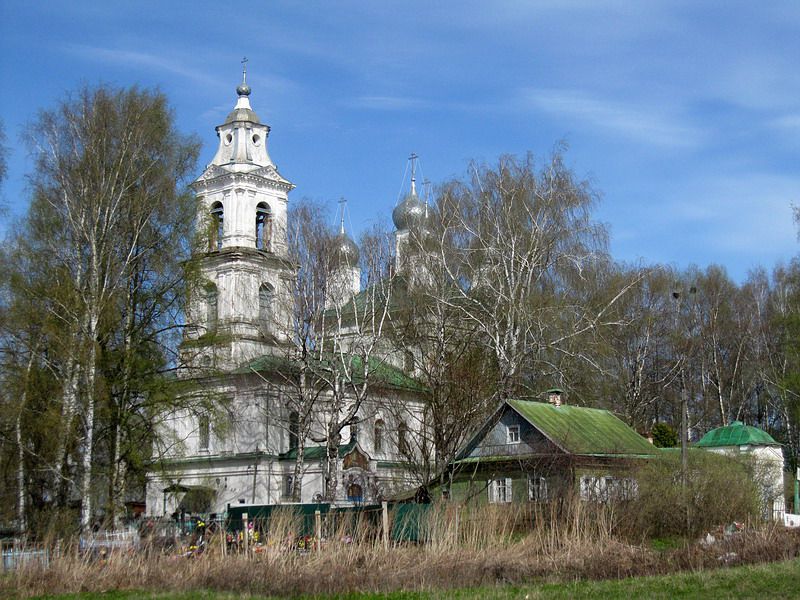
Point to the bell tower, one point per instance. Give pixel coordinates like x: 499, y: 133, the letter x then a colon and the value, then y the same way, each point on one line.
x: 239, y: 300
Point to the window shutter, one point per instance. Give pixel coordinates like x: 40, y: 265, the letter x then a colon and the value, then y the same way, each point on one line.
x: 491, y: 489
x: 509, y: 488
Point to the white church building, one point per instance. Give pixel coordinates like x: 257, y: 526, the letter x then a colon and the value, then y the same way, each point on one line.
x: 237, y: 355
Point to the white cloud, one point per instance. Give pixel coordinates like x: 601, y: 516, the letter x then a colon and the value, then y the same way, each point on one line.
x: 652, y: 125
x: 132, y: 58
x: 388, y: 103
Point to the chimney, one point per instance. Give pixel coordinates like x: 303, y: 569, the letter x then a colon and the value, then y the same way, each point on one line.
x: 554, y: 396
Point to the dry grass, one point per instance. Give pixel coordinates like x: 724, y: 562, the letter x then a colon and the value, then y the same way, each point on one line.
x: 467, y: 548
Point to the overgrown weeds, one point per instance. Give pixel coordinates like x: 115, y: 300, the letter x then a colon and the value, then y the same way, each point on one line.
x: 465, y: 547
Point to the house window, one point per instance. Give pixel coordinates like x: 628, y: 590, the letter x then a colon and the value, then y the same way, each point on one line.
x: 288, y: 485
x: 402, y: 438
x: 590, y: 488
x: 378, y: 436
x: 217, y: 227
x: 263, y: 227
x: 537, y: 488
x: 203, y: 433
x: 512, y: 434
x: 500, y: 490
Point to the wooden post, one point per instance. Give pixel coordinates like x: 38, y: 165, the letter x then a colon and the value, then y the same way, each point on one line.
x: 318, y: 529
x: 385, y: 523
x: 245, y: 536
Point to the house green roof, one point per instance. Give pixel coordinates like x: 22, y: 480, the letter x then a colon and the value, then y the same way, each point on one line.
x: 584, y: 431
x: 736, y: 434
x: 380, y: 372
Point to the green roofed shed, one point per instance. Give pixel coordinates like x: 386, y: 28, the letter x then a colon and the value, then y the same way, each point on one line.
x: 584, y: 431
x: 736, y: 434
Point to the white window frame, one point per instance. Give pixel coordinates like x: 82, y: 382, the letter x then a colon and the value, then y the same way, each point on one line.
x: 513, y: 434
x: 537, y: 488
x: 501, y: 490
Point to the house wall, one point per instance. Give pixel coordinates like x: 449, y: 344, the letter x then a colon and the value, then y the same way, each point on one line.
x: 495, y: 442
x: 769, y: 475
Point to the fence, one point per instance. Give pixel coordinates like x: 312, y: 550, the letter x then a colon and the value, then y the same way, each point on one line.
x: 16, y: 554
x: 404, y: 521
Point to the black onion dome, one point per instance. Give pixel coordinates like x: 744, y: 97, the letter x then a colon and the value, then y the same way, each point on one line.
x: 243, y: 89
x: 409, y: 213
x: 344, y: 251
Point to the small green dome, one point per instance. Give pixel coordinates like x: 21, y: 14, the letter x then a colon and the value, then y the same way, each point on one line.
x: 736, y: 434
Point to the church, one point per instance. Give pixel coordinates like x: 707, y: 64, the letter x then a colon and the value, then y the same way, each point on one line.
x: 259, y: 422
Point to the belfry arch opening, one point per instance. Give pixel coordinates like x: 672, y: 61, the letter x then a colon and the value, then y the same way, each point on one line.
x: 263, y: 227
x: 216, y: 226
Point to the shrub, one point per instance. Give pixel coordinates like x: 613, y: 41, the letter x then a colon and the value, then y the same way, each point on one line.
x: 719, y: 490
x: 664, y: 436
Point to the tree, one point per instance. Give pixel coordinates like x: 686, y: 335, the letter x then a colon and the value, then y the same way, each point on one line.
x: 109, y: 217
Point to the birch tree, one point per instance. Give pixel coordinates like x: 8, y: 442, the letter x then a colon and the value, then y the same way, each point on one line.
x: 108, y: 169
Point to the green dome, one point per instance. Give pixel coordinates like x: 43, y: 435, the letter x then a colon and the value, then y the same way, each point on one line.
x: 736, y: 434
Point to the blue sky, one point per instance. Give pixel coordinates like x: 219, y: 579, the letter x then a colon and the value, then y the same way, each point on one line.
x: 684, y: 115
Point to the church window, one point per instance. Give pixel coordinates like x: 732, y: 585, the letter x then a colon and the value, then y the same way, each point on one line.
x: 211, y: 307
x: 402, y: 438
x: 355, y: 493
x: 294, y: 430
x: 203, y: 433
x: 288, y: 485
x: 408, y: 361
x: 256, y: 139
x: 217, y: 227
x: 266, y: 296
x: 263, y: 227
x: 353, y: 431
x: 379, y: 428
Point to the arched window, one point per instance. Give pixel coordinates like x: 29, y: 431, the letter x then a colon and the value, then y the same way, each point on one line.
x: 294, y: 430
x: 211, y: 307
x: 217, y: 227
x: 408, y: 361
x: 203, y: 432
x: 266, y: 297
x: 263, y: 227
x: 402, y: 438
x: 378, y: 436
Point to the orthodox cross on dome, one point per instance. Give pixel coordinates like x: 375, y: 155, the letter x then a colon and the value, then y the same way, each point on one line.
x: 413, y: 158
x: 342, y: 202
x: 426, y: 191
x: 243, y: 89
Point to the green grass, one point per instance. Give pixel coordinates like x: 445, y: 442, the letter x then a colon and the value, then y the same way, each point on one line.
x: 774, y: 580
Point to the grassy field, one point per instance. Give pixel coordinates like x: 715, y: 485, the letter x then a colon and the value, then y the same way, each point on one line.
x: 773, y: 580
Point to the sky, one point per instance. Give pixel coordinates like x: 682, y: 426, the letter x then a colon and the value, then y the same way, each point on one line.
x: 684, y: 116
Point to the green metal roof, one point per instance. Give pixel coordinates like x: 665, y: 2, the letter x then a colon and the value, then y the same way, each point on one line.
x: 317, y: 452
x: 736, y: 434
x: 583, y: 431
x: 380, y: 372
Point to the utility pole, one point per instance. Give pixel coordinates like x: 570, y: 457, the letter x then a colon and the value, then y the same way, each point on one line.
x: 676, y: 295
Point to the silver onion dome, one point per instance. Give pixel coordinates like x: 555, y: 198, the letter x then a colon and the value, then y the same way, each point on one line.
x: 344, y: 252
x: 410, y: 213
